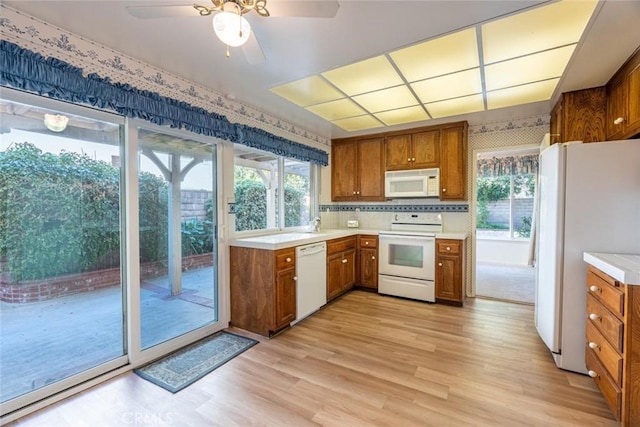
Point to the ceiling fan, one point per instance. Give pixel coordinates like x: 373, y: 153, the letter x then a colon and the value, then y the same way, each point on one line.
x: 229, y: 24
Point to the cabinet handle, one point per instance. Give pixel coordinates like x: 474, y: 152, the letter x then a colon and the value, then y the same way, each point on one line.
x: 593, y: 346
x: 593, y: 374
x: 594, y: 288
x: 354, y: 192
x: 409, y: 159
x: 444, y: 190
x: 373, y: 257
x: 295, y: 278
x: 288, y: 259
x: 366, y: 243
x: 344, y: 261
x: 618, y: 120
x: 357, y: 192
x: 594, y: 316
x: 448, y: 248
x: 439, y: 264
x: 413, y: 159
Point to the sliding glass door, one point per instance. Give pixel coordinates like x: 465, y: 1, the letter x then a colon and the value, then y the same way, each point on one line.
x: 61, y: 292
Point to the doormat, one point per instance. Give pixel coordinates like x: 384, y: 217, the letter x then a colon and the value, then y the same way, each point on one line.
x: 187, y: 365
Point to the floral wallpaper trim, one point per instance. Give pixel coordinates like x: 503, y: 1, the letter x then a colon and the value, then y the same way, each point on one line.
x: 510, y: 125
x: 40, y: 37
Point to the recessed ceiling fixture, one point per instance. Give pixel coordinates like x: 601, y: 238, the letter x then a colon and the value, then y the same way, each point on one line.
x: 56, y: 122
x: 522, y: 60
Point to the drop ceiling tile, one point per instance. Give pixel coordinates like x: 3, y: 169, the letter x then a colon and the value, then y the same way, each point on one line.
x: 364, y: 76
x: 403, y: 115
x: 358, y: 123
x: 449, y: 86
x: 533, y: 92
x: 528, y: 69
x: 542, y: 28
x: 334, y: 110
x: 386, y: 99
x: 456, y: 106
x: 308, y: 91
x: 443, y: 55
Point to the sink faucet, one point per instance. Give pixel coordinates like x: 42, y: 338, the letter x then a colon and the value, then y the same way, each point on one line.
x: 316, y: 225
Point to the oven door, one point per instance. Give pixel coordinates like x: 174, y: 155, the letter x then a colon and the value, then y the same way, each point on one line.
x: 407, y: 256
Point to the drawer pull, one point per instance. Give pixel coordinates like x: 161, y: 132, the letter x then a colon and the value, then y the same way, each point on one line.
x: 444, y: 190
x: 593, y: 374
x: 288, y: 259
x: 373, y: 257
x: 594, y: 288
x: 366, y: 243
x: 594, y: 317
x: 618, y: 120
x: 295, y: 278
x: 593, y: 346
x: 344, y: 261
x: 448, y: 248
x: 439, y: 264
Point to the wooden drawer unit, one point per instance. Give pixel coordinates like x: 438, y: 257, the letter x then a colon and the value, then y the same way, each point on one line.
x: 340, y: 245
x: 450, y: 271
x: 448, y: 247
x: 610, y: 390
x: 606, y: 290
x: 368, y: 241
x: 605, y: 322
x: 285, y: 258
x: 608, y: 356
x: 368, y: 262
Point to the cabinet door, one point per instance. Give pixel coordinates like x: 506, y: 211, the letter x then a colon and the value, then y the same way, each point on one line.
x: 344, y: 169
x: 633, y: 102
x: 616, y: 109
x: 555, y: 126
x: 426, y: 149
x: 449, y: 277
x: 369, y: 268
x: 398, y: 152
x: 348, y: 269
x: 371, y: 170
x: 285, y: 294
x: 334, y: 275
x: 453, y: 164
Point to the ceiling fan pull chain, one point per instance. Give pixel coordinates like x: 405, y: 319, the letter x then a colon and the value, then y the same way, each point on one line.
x: 228, y: 53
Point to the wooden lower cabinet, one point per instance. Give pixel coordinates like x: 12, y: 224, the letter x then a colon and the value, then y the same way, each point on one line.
x: 368, y: 262
x: 612, y: 351
x: 450, y: 268
x: 341, y: 266
x: 263, y: 289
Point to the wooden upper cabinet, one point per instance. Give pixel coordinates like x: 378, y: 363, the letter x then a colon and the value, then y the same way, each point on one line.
x: 623, y: 100
x: 413, y: 151
x: 357, y: 170
x: 453, y: 163
x: 579, y: 116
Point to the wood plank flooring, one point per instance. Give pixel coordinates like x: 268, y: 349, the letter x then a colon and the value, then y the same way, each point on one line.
x: 365, y: 360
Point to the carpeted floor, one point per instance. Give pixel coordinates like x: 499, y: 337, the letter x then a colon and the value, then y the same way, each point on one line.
x: 511, y: 283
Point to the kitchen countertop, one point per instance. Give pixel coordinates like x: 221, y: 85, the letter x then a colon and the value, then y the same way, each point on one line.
x: 622, y: 267
x: 298, y: 238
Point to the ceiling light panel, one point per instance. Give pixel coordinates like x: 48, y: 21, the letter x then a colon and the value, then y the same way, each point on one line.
x: 528, y: 69
x: 533, y: 92
x: 403, y: 115
x: 456, y: 106
x: 542, y: 28
x: 358, y: 123
x: 335, y: 110
x: 387, y: 99
x: 444, y: 55
x: 308, y: 91
x: 364, y: 76
x: 450, y: 86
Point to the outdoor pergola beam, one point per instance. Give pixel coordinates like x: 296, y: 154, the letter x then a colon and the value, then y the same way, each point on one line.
x: 156, y: 161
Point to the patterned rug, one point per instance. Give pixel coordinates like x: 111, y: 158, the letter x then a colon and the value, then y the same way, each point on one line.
x: 187, y: 365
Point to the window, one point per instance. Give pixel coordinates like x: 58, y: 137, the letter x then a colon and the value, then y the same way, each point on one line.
x: 258, y: 177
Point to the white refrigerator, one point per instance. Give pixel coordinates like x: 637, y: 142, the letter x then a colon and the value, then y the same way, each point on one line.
x: 589, y: 201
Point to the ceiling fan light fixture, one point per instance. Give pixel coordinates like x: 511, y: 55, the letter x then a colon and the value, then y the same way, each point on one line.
x: 230, y: 26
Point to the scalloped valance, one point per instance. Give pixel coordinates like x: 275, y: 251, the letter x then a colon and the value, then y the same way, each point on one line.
x: 508, y: 165
x: 30, y: 71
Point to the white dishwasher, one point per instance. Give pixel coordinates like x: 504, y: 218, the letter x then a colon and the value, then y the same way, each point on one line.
x: 311, y: 269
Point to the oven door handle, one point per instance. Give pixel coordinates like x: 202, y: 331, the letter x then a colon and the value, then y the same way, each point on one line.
x: 405, y: 237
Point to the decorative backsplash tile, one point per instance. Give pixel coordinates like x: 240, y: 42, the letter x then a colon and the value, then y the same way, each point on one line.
x: 396, y: 208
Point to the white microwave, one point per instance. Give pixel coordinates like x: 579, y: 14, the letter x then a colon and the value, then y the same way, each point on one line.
x: 412, y: 183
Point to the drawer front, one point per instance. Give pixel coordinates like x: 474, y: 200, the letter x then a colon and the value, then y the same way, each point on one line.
x: 609, y: 294
x: 605, y: 322
x: 368, y: 241
x: 339, y: 245
x: 285, y: 258
x: 610, y: 391
x: 448, y: 246
x: 610, y: 359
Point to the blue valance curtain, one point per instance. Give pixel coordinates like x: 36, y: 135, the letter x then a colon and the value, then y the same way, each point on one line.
x: 30, y: 71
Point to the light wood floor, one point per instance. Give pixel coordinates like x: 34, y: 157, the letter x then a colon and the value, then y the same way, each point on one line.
x: 365, y: 360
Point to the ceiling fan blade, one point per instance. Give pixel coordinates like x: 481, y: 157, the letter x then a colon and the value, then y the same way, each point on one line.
x: 252, y: 51
x: 164, y: 11
x: 303, y: 9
